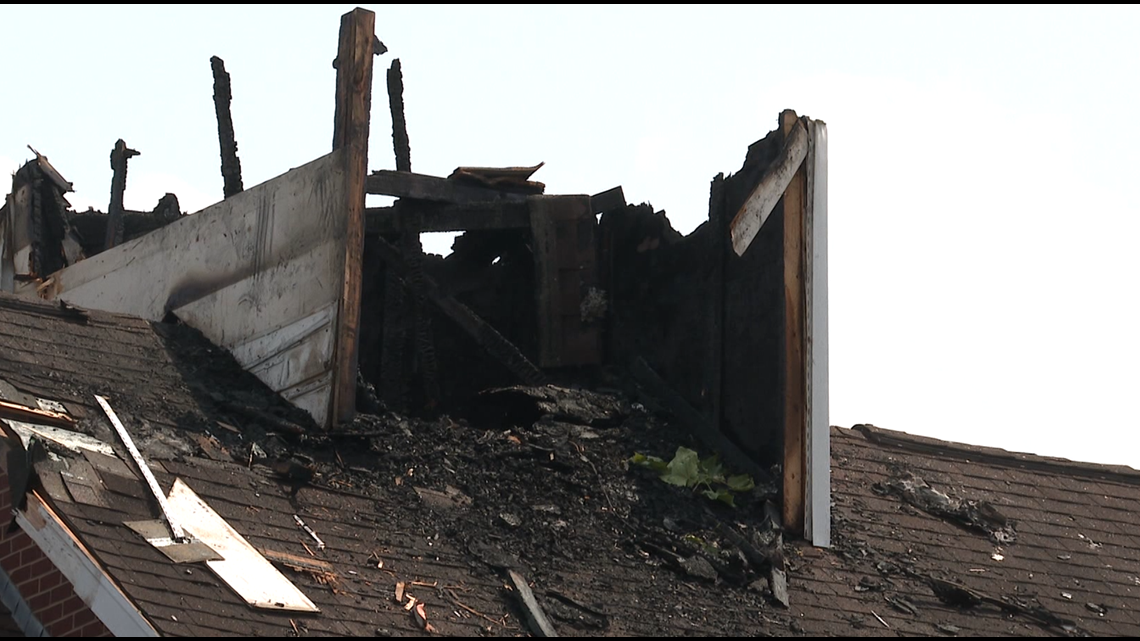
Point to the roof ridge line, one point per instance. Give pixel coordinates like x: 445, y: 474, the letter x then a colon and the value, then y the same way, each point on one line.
x: 997, y: 456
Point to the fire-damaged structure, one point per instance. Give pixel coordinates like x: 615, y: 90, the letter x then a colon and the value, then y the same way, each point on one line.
x: 335, y: 305
x: 280, y: 416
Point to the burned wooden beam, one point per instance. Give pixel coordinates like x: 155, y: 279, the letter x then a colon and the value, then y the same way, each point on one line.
x: 608, y: 200
x: 478, y: 329
x: 231, y: 165
x: 355, y: 53
x: 404, y: 184
x: 119, y: 156
x: 400, y: 142
x: 62, y: 184
x: 714, y: 364
x: 760, y: 203
x: 430, y: 217
x: 535, y: 618
x: 547, y: 283
x: 795, y: 349
x: 565, y: 276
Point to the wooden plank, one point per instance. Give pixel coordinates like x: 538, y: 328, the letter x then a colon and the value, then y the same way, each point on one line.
x: 403, y: 184
x: 248, y: 573
x: 296, y: 562
x: 536, y: 619
x: 775, y: 183
x: 478, y: 329
x: 430, y: 217
x: 353, y: 109
x: 794, y: 352
x: 231, y: 165
x: 817, y: 520
x: 544, y: 244
x: 608, y: 200
x: 119, y: 156
x: 35, y: 415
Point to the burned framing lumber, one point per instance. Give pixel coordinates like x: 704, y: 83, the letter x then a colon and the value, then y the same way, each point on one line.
x: 775, y: 183
x: 231, y: 165
x: 400, y: 142
x: 403, y: 184
x: 795, y: 351
x: 484, y: 335
x: 435, y: 217
x: 119, y: 157
x: 350, y: 133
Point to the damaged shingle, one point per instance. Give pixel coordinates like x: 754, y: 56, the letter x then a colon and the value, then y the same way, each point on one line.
x: 973, y: 514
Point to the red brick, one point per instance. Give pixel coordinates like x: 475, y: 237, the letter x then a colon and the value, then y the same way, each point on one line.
x: 51, y: 613
x: 95, y: 629
x: 60, y: 626
x: 32, y: 555
x: 85, y: 617
x: 61, y: 593
x: 21, y: 576
x: 39, y: 602
x: 42, y: 567
x: 50, y: 581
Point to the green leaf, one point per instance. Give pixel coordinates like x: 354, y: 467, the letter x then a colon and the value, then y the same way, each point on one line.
x: 740, y: 483
x: 724, y: 496
x: 712, y: 470
x: 683, y: 468
x: 652, y: 462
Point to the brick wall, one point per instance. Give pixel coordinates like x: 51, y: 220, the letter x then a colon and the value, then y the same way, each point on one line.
x: 50, y: 595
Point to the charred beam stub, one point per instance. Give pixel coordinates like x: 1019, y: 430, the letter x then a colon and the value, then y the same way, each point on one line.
x: 231, y: 164
x: 119, y: 156
x: 399, y: 126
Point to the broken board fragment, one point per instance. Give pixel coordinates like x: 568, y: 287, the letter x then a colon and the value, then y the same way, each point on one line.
x: 158, y: 535
x: 535, y: 617
x: 245, y: 570
x: 74, y: 441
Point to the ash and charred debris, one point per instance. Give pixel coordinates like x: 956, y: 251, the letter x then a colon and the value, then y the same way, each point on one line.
x: 980, y: 516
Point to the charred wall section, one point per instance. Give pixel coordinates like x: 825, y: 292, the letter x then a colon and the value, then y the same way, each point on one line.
x: 492, y: 273
x: 754, y: 385
x: 670, y: 310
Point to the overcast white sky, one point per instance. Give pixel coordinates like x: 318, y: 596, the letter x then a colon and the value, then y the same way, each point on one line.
x: 983, y: 160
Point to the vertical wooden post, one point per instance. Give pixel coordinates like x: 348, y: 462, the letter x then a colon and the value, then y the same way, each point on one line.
x: 544, y: 244
x: 350, y: 136
x: 231, y: 165
x: 119, y: 157
x: 718, y: 220
x: 794, y: 351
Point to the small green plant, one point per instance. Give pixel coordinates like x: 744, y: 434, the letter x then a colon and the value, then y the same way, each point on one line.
x: 706, y: 475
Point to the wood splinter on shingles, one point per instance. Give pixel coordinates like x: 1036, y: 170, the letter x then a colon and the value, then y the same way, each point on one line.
x: 308, y: 530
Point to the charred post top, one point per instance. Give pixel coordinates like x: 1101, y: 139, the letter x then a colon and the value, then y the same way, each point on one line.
x: 119, y: 156
x: 231, y: 165
x: 400, y: 141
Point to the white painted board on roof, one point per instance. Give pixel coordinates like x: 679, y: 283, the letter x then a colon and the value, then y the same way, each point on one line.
x: 243, y: 568
x: 74, y: 441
